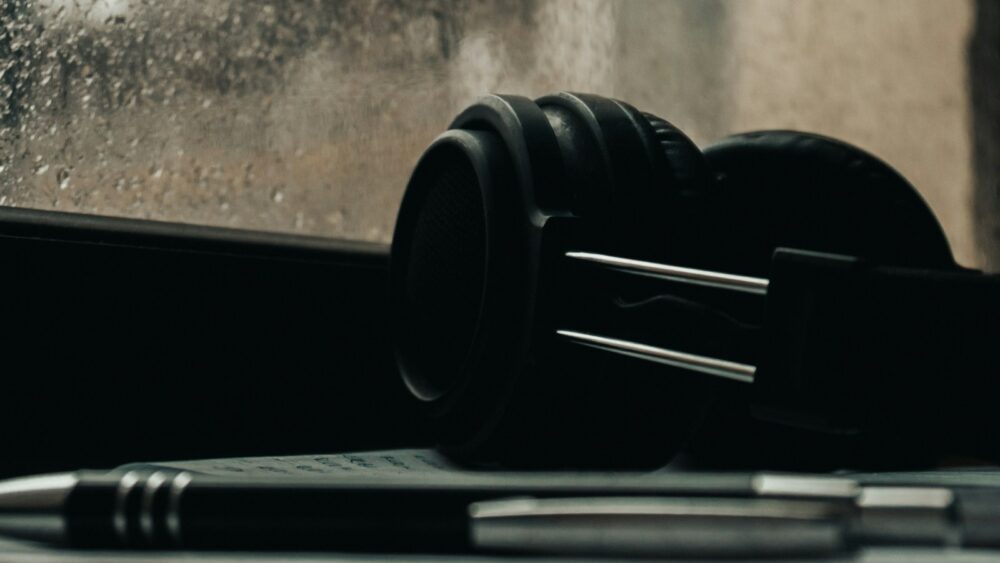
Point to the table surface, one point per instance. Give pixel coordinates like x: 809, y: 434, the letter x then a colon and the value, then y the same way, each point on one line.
x: 24, y: 552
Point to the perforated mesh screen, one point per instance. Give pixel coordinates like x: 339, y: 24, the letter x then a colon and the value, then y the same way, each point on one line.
x: 444, y: 278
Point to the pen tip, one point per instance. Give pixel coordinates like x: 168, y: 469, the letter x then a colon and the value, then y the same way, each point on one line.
x: 31, y: 507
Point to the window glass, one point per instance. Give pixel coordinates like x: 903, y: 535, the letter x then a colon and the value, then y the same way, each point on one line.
x: 307, y: 115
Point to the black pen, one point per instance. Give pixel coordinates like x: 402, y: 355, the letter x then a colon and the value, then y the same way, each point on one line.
x: 193, y: 511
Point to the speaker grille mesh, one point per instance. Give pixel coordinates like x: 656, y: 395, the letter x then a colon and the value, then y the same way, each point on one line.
x: 444, y: 280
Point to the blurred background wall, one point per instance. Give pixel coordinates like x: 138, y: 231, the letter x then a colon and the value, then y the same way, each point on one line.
x: 307, y: 116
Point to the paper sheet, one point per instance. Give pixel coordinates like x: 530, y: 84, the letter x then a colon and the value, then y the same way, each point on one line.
x: 381, y: 463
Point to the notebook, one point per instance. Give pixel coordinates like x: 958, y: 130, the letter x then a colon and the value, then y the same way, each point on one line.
x: 374, y: 464
x: 416, y: 462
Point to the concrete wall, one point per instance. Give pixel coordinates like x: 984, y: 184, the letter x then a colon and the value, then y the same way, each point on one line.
x: 887, y: 75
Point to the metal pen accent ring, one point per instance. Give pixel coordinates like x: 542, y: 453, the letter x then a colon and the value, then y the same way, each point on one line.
x: 173, y: 518
x: 153, y: 484
x: 120, y: 515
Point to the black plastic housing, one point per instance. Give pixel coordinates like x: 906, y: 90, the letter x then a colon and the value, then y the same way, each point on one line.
x: 901, y: 357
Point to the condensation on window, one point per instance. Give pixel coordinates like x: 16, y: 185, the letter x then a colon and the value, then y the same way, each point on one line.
x: 308, y: 115
x: 297, y: 116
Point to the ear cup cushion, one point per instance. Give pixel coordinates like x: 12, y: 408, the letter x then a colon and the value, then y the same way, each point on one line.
x: 652, y: 170
x: 529, y: 138
x: 623, y: 166
x: 801, y: 190
x: 683, y: 160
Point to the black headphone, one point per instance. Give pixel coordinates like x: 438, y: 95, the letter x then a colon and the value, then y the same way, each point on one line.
x: 575, y: 284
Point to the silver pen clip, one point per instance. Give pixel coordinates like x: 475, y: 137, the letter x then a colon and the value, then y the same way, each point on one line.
x: 788, y: 515
x: 660, y: 527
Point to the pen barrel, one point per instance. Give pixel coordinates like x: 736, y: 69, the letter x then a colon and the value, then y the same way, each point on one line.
x: 175, y: 510
x: 705, y: 514
x: 347, y: 519
x: 167, y: 509
x: 386, y: 517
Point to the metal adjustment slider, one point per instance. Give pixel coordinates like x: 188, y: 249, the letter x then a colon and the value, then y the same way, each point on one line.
x: 734, y: 371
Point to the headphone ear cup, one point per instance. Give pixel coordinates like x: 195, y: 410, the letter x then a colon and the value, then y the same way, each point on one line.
x: 801, y: 190
x: 604, y: 189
